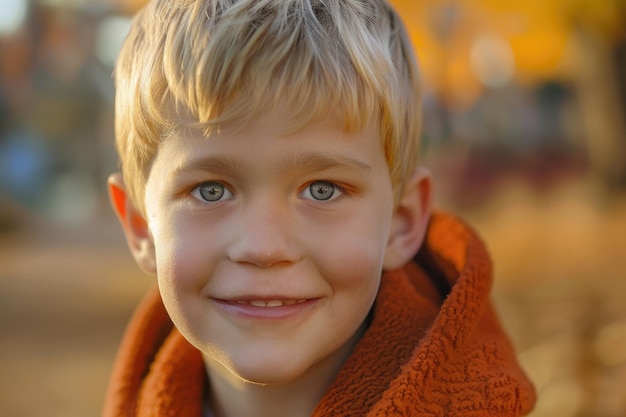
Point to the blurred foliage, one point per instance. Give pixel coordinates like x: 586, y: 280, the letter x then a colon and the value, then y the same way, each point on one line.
x: 524, y: 108
x: 529, y: 86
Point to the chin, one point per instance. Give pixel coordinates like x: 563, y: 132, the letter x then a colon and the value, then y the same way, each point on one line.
x: 269, y: 375
x: 262, y: 370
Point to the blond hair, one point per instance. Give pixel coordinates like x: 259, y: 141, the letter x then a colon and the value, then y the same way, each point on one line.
x: 215, y: 61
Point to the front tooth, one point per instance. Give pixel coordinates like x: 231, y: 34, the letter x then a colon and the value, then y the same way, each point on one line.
x: 258, y: 303
x: 274, y: 303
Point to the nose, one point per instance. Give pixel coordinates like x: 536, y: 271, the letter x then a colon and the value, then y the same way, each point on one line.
x: 264, y: 236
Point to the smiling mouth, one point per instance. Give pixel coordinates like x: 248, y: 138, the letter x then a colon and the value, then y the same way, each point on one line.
x: 266, y: 303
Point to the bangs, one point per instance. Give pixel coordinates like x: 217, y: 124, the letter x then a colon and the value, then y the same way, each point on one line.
x: 202, y: 64
x: 276, y: 55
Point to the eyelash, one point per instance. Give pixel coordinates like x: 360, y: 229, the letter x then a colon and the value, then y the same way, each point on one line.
x: 338, y: 192
x: 196, y: 191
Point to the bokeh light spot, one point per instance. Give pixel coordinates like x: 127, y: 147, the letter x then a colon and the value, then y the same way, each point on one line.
x: 110, y: 37
x: 492, y: 61
x: 13, y: 15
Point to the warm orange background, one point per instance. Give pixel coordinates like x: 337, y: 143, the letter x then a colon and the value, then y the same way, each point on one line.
x: 536, y: 161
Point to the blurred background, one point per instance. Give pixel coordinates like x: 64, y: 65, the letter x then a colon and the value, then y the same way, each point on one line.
x: 525, y: 109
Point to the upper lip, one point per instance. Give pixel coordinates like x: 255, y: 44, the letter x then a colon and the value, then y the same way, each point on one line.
x: 264, y: 301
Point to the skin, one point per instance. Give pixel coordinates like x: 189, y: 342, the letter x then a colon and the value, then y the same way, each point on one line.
x: 268, y: 249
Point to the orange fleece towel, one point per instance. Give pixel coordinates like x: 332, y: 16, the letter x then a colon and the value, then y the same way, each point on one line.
x: 434, y: 347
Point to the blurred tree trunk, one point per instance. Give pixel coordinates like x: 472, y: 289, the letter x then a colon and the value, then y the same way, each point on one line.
x: 602, y: 107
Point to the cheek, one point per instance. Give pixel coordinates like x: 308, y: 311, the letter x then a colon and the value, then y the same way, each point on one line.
x: 182, y: 256
x: 355, y: 267
x: 183, y: 271
x: 352, y: 257
x: 353, y: 274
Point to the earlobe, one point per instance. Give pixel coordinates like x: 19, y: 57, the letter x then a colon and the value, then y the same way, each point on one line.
x: 410, y: 220
x: 133, y: 224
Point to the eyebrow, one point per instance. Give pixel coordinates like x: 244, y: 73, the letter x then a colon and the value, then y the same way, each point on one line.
x: 303, y: 162
x: 209, y: 164
x: 319, y: 161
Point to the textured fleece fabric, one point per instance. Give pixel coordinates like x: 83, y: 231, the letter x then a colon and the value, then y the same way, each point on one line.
x: 435, y: 347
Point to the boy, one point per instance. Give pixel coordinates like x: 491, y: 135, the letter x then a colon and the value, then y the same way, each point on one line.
x: 269, y: 181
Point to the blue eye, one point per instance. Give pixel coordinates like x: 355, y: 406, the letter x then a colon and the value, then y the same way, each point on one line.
x: 322, y: 191
x: 212, y: 191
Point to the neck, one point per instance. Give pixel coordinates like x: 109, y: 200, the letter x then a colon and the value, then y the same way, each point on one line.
x: 231, y: 396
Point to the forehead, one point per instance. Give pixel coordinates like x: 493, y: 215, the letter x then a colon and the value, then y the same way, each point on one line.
x: 276, y: 120
x: 268, y: 108
x: 269, y: 140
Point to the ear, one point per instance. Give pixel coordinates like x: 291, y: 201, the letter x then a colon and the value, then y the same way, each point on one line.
x: 410, y: 220
x: 133, y: 224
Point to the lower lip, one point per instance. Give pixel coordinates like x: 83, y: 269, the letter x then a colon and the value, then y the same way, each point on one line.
x: 283, y: 312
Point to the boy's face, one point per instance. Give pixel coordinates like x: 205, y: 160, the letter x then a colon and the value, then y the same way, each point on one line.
x: 269, y: 247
